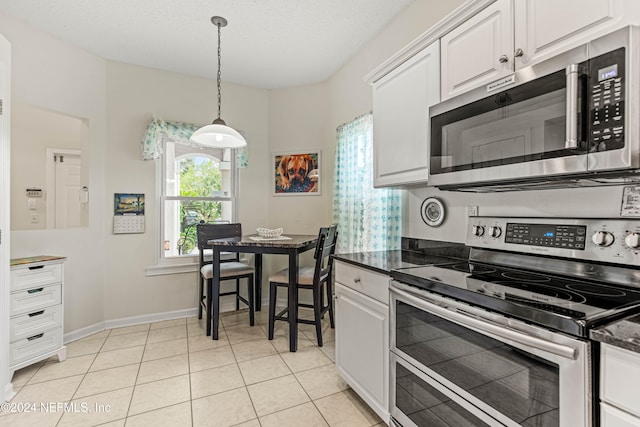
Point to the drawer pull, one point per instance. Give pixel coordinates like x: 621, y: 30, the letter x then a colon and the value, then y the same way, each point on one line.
x: 35, y: 337
x: 33, y: 291
x: 37, y: 313
x: 36, y: 267
x: 356, y: 280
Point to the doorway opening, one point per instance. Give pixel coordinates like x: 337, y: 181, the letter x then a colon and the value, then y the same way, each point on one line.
x: 63, y: 188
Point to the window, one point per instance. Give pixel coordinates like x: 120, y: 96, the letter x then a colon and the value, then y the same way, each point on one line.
x: 369, y: 219
x: 198, y: 184
x: 193, y: 184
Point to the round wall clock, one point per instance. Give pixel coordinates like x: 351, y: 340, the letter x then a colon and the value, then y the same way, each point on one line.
x: 432, y: 212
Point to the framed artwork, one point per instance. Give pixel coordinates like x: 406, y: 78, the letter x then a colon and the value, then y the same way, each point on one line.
x: 296, y: 173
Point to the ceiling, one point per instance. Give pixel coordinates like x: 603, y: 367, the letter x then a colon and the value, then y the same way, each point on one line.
x: 267, y: 44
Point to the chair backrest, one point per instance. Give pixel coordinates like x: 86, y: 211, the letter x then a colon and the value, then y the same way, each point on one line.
x: 208, y: 232
x: 325, y: 247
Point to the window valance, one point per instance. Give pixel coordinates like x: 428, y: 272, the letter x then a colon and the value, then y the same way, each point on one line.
x: 178, y: 132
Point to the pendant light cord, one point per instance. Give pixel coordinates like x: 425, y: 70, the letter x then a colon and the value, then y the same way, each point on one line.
x: 219, y: 74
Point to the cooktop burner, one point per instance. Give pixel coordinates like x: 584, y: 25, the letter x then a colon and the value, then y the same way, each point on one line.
x: 563, y: 303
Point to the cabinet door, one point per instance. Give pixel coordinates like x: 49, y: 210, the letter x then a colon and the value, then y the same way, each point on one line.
x: 471, y: 53
x: 543, y: 30
x: 612, y: 417
x: 620, y: 375
x: 362, y: 346
x: 401, y: 103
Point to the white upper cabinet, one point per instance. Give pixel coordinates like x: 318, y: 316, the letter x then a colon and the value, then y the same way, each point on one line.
x: 544, y: 28
x: 513, y: 34
x: 479, y: 51
x: 401, y: 101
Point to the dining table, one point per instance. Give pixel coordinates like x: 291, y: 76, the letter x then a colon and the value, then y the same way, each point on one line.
x: 291, y: 244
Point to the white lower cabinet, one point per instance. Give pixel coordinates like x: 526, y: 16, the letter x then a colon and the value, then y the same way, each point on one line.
x: 362, y: 335
x: 620, y: 376
x: 36, y: 311
x: 612, y: 417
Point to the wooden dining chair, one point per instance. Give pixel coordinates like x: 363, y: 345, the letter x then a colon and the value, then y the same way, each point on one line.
x: 230, y: 269
x: 316, y: 278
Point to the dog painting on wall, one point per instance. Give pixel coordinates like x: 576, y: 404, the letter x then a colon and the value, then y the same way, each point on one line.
x: 297, y: 173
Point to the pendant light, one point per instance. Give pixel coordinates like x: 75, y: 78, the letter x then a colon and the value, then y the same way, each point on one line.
x: 218, y: 134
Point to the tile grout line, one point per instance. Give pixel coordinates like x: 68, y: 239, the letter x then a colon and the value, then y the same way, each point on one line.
x: 246, y: 388
x: 135, y: 382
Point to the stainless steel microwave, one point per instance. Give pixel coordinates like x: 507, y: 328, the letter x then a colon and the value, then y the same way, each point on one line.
x: 572, y: 120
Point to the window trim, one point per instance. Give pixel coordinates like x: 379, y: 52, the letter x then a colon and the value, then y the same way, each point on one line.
x: 185, y: 263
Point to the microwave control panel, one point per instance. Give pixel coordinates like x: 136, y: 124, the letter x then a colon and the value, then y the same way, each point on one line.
x: 606, y: 87
x: 606, y: 240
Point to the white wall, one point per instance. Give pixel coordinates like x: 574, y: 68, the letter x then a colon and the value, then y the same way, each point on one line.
x: 55, y: 76
x: 135, y: 95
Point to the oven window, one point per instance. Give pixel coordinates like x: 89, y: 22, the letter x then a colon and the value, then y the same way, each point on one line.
x: 513, y: 382
x: 426, y: 406
x: 522, y: 124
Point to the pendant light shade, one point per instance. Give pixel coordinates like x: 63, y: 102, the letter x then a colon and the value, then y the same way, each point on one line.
x: 218, y: 134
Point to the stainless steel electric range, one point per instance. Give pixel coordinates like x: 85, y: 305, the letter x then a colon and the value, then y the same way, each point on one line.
x: 502, y: 339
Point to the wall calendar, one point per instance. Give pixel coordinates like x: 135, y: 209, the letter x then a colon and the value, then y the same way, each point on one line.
x: 128, y: 213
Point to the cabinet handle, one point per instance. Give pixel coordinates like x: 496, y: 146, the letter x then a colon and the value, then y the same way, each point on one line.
x: 35, y: 337
x: 518, y: 53
x: 36, y: 267
x: 503, y: 59
x: 37, y: 313
x: 33, y: 291
x: 356, y: 280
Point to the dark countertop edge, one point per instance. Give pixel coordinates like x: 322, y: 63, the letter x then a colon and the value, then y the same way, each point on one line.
x: 623, y: 333
x: 385, y: 261
x: 346, y: 258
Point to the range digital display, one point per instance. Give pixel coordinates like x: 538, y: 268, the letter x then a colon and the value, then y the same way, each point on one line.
x: 549, y: 235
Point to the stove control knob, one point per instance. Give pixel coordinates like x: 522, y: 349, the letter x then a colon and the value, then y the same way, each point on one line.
x: 477, y: 230
x: 495, y: 231
x: 632, y: 240
x: 602, y: 238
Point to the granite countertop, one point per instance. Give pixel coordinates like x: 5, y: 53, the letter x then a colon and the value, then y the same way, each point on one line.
x: 414, y: 253
x: 624, y: 333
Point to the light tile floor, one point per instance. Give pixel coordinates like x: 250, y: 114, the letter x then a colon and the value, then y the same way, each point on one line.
x: 170, y: 374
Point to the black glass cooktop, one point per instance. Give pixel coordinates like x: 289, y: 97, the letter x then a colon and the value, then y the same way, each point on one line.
x: 561, y: 303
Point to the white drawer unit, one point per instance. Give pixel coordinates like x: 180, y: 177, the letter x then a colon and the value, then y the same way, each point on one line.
x: 620, y: 375
x: 370, y: 283
x: 32, y: 348
x: 33, y: 276
x: 29, y: 324
x: 36, y: 310
x: 30, y: 300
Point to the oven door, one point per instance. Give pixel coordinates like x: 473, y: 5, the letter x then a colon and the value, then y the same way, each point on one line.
x: 491, y: 370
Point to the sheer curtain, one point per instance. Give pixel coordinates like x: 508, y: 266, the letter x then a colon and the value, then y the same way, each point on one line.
x: 369, y: 219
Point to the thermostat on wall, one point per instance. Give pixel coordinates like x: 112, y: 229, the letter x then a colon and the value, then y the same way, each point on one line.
x: 34, y: 192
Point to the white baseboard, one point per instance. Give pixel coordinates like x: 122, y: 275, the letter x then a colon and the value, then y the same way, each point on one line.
x: 8, y: 392
x: 228, y: 304
x: 127, y: 321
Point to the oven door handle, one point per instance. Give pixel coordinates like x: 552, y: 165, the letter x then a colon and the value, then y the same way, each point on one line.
x: 489, y: 326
